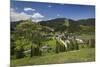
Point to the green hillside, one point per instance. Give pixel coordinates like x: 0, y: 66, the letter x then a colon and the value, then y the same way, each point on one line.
x: 66, y: 57
x: 40, y: 43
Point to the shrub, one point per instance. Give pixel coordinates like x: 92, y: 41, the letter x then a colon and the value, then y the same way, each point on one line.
x: 20, y: 53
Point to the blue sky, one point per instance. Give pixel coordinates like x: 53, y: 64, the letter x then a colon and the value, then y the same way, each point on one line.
x: 43, y: 11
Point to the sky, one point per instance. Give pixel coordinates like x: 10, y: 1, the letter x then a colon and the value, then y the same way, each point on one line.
x: 39, y: 11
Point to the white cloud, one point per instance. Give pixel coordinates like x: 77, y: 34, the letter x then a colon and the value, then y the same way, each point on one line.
x: 15, y: 16
x: 49, y: 6
x: 29, y: 9
x: 58, y: 15
x: 36, y: 20
x: 36, y: 17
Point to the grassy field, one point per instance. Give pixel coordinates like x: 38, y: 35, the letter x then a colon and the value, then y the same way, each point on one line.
x: 51, y: 43
x: 84, y: 36
x: 83, y: 55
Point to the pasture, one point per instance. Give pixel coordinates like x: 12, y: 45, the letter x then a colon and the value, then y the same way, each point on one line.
x: 82, y: 55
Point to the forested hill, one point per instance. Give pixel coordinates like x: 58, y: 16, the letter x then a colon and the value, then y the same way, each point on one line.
x: 53, y: 21
x: 60, y: 21
x: 60, y: 24
x: 14, y: 24
x: 87, y: 22
x: 57, y: 24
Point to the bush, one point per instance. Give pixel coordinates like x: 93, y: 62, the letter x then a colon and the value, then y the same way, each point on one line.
x: 92, y: 43
x: 20, y: 53
x: 35, y: 51
x: 57, y: 48
x: 73, y: 45
x: 76, y: 46
x: 60, y: 47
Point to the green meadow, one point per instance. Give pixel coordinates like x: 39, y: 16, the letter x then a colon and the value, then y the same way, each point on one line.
x: 83, y: 55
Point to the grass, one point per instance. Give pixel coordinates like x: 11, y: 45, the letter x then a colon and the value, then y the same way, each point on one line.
x: 83, y: 55
x: 86, y: 36
x: 51, y: 42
